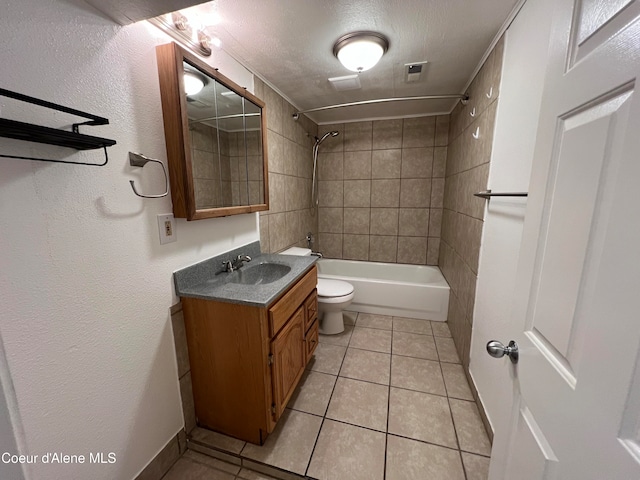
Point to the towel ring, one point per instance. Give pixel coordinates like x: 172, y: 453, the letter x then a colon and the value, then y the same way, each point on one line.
x: 139, y: 160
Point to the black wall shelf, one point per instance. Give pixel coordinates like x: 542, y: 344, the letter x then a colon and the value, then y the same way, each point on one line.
x: 54, y: 136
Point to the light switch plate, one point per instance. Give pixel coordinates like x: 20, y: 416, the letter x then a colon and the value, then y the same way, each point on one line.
x: 167, y: 228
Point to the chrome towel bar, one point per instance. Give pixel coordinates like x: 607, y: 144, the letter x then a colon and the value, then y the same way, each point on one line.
x: 487, y: 194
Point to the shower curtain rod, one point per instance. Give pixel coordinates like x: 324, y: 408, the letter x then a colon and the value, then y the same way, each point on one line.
x: 463, y: 96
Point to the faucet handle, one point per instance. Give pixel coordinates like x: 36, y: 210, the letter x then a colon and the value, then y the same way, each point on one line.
x: 228, y: 266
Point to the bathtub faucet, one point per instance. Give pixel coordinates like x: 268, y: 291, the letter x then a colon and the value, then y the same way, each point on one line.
x: 316, y: 254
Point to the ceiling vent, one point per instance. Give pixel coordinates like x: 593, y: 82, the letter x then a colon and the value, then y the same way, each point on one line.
x: 413, y: 71
x: 348, y: 82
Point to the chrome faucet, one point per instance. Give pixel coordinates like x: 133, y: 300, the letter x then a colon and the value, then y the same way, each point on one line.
x: 230, y: 266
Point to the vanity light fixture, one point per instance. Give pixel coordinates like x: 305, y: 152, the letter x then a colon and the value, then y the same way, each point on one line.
x: 359, y: 51
x: 178, y: 26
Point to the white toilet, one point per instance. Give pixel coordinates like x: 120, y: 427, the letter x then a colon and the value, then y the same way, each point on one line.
x: 333, y: 297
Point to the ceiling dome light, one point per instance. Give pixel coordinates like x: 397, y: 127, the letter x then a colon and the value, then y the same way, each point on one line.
x: 359, y: 51
x: 193, y: 83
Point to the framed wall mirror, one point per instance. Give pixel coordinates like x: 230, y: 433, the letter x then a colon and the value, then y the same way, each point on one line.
x: 216, y: 139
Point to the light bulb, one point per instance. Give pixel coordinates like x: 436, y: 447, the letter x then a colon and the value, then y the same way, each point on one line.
x: 360, y: 55
x: 192, y: 83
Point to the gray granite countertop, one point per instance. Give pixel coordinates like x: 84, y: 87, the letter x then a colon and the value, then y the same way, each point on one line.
x: 206, y: 279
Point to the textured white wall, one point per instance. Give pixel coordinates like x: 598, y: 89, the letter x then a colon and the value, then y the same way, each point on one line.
x: 526, y: 45
x: 84, y: 282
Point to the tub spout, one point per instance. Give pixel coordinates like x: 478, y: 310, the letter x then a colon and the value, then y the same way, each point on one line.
x: 316, y: 254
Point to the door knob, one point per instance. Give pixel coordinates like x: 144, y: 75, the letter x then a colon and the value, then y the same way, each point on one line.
x: 498, y: 350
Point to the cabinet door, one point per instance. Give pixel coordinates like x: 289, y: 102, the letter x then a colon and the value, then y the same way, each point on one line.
x: 288, y: 350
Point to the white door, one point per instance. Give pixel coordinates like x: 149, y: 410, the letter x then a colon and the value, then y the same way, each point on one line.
x: 576, y: 315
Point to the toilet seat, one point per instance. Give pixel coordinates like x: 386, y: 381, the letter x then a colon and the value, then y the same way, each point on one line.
x: 330, y: 289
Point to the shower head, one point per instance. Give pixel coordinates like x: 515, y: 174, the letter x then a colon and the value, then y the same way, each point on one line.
x: 334, y: 133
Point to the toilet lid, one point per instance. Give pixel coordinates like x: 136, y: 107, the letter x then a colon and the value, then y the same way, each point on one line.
x: 333, y: 288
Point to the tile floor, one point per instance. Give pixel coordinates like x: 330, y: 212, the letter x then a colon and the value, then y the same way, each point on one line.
x: 385, y: 400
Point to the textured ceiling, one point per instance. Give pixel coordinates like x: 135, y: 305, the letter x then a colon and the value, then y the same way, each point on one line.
x: 289, y: 43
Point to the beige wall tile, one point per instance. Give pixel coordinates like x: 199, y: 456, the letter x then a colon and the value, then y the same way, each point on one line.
x: 415, y: 193
x: 383, y: 248
x: 435, y: 222
x: 371, y: 190
x: 385, y: 193
x: 277, y: 232
x: 413, y: 222
x: 264, y: 233
x: 357, y: 193
x: 417, y: 162
x: 275, y: 146
x: 437, y: 193
x: 357, y: 165
x: 418, y: 132
x: 442, y: 131
x: 277, y: 187
x: 433, y: 250
x: 330, y: 193
x: 331, y: 166
x: 412, y: 250
x: 289, y: 153
x: 387, y: 134
x: 330, y: 220
x: 289, y: 125
x: 330, y: 244
x: 355, y: 247
x: 357, y: 136
x: 386, y: 163
x: 180, y: 343
x: 275, y: 109
x: 384, y: 221
x: 356, y: 220
x: 188, y: 406
x: 294, y: 226
x: 163, y: 461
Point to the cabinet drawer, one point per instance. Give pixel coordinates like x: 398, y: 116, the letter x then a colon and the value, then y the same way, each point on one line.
x: 284, y: 308
x: 311, y: 341
x: 311, y: 308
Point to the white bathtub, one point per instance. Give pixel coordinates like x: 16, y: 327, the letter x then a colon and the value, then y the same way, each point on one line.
x: 413, y: 291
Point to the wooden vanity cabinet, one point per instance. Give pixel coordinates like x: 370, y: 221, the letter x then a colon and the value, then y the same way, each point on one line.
x: 246, y: 361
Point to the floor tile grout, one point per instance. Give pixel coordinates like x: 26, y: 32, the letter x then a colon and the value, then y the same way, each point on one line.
x: 326, y: 410
x: 386, y: 437
x: 389, y: 385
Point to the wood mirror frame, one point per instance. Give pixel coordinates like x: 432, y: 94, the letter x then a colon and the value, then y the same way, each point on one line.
x: 171, y: 58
